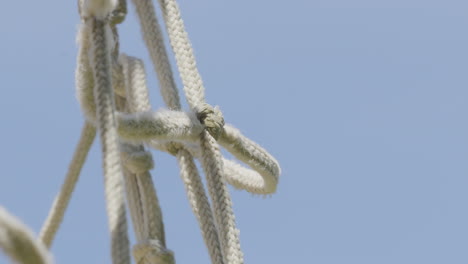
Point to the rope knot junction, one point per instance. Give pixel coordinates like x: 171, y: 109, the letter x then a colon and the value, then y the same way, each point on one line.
x: 212, y: 118
x: 136, y: 159
x: 152, y: 252
x: 113, y: 94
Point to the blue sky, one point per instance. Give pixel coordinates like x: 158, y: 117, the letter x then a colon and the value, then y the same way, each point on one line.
x: 364, y: 103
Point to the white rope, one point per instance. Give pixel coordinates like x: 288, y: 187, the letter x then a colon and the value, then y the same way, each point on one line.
x: 161, y: 126
x: 193, y: 85
x: 19, y: 243
x: 101, y: 46
x: 134, y: 203
x: 84, y: 81
x: 222, y: 205
x: 200, y: 204
x: 152, y: 35
x: 149, y: 227
x: 192, y: 181
x: 100, y: 73
x: 208, y: 116
x: 212, y: 119
x: 60, y: 204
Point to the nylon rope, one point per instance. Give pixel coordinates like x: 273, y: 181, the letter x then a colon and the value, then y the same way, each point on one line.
x: 112, y: 92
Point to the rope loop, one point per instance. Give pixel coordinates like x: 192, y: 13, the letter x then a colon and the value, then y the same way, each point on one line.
x: 136, y: 159
x: 152, y: 252
x: 120, y: 12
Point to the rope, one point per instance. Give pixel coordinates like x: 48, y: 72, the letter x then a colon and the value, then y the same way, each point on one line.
x: 210, y: 117
x: 18, y: 242
x: 199, y: 203
x: 60, y: 204
x: 152, y: 35
x: 189, y: 174
x: 224, y: 216
x: 193, y: 85
x: 84, y: 80
x: 156, y: 128
x: 213, y: 121
x: 149, y: 227
x: 125, y: 123
x: 103, y: 94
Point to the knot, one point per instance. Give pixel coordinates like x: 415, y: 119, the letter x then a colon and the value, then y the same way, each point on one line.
x: 173, y: 148
x: 120, y: 12
x: 212, y: 118
x: 100, y: 9
x: 152, y: 251
x: 137, y: 160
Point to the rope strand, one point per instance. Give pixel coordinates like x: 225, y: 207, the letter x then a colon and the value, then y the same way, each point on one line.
x: 18, y: 242
x: 57, y: 211
x: 125, y: 122
x: 192, y: 181
x: 222, y: 205
x: 151, y: 246
x: 103, y: 94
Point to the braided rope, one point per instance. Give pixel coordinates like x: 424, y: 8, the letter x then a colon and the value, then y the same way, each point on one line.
x: 193, y: 185
x: 180, y: 43
x: 199, y: 203
x: 222, y: 205
x: 160, y: 126
x: 194, y: 188
x: 59, y: 206
x: 151, y: 247
x: 125, y: 123
x: 213, y: 121
x: 152, y: 35
x: 105, y: 109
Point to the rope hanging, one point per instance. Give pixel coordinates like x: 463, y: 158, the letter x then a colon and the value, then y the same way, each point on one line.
x: 112, y: 91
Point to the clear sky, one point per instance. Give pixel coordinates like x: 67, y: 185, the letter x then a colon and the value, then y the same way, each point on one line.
x: 363, y: 102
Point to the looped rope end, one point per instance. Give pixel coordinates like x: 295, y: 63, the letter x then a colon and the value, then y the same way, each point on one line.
x: 173, y: 148
x: 100, y: 9
x: 137, y: 161
x: 212, y: 118
x: 119, y: 13
x: 153, y: 252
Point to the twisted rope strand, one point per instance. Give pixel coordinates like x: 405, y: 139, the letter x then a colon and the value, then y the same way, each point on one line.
x: 103, y: 94
x: 57, y: 211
